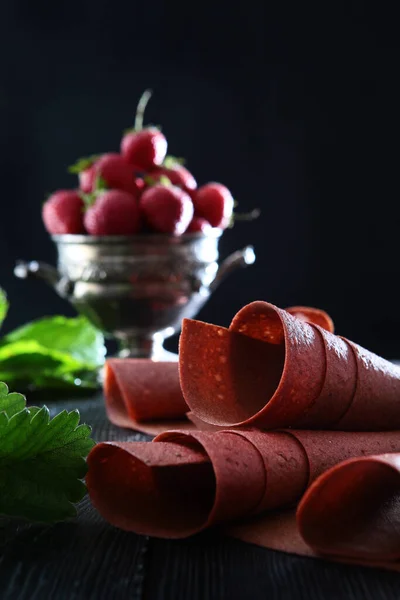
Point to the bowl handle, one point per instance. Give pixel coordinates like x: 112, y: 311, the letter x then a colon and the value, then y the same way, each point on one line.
x: 240, y: 258
x: 60, y: 283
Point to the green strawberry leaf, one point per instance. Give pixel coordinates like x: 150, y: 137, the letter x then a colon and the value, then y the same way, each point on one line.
x: 170, y: 162
x: 73, y: 336
x: 11, y: 404
x: 29, y: 364
x: 3, y: 306
x: 88, y: 199
x: 149, y: 180
x: 83, y: 163
x: 42, y: 460
x: 163, y: 180
x: 55, y: 352
x: 100, y: 185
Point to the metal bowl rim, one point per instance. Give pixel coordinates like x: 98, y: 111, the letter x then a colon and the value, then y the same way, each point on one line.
x: 152, y: 238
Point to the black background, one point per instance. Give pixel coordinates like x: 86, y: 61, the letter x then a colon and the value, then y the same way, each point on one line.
x: 294, y: 107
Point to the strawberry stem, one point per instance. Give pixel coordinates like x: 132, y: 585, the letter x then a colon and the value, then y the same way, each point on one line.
x: 141, y: 107
x: 250, y: 216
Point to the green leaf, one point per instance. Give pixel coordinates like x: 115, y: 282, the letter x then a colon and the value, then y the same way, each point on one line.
x: 29, y: 364
x: 3, y: 306
x: 99, y: 186
x: 83, y: 163
x: 149, y: 180
x: 10, y: 404
x: 75, y: 337
x: 42, y: 460
x: 163, y: 180
x: 170, y: 162
x: 88, y: 199
x: 54, y: 352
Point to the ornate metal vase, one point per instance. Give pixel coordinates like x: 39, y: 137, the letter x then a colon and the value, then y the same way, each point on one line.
x: 137, y: 289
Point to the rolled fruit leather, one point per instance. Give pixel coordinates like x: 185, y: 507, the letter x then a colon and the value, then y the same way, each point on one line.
x: 272, y: 369
x: 353, y: 510
x: 141, y: 390
x: 182, y: 483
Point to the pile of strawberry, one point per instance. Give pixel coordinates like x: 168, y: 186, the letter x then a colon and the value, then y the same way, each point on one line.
x: 139, y: 190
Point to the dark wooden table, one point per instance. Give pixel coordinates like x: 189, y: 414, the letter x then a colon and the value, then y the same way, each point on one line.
x: 88, y: 559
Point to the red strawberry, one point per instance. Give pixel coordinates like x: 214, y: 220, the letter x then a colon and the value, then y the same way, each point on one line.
x: 214, y: 203
x: 198, y: 225
x: 167, y: 209
x: 178, y: 175
x: 63, y: 212
x: 114, y: 213
x: 86, y: 179
x: 143, y: 148
x: 111, y: 168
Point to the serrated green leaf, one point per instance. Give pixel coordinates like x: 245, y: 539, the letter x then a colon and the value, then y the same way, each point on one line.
x: 12, y: 403
x: 42, y: 461
x: 3, y: 306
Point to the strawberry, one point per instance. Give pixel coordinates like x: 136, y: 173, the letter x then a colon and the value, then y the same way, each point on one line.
x: 111, y: 168
x: 114, y: 212
x: 63, y: 212
x: 214, y: 203
x: 166, y: 209
x: 198, y: 225
x: 177, y: 174
x: 143, y: 148
x: 86, y: 179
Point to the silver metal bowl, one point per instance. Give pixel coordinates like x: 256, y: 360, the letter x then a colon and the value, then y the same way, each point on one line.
x: 137, y: 289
